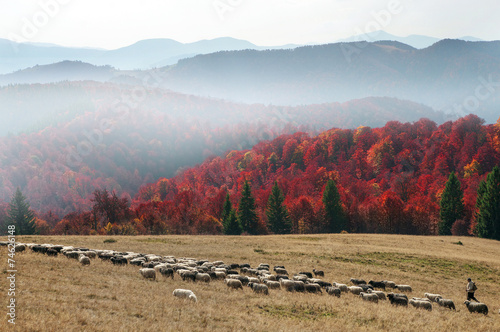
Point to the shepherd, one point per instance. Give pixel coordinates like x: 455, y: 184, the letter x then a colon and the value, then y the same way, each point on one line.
x: 471, y: 288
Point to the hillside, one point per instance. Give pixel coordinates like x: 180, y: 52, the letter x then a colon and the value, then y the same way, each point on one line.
x: 390, y: 179
x: 446, y: 74
x: 81, y: 297
x: 75, y: 140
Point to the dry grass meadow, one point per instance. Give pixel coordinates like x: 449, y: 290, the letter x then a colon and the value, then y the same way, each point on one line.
x: 57, y: 294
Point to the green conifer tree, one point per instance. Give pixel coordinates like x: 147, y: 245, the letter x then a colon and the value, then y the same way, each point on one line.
x: 334, y: 212
x: 232, y: 226
x: 246, y: 211
x: 277, y: 214
x: 488, y: 205
x: 452, y: 204
x: 20, y: 215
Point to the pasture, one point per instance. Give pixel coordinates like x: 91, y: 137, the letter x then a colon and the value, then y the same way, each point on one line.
x: 59, y: 294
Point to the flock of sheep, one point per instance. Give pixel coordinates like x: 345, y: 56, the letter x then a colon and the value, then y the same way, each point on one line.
x: 260, y: 279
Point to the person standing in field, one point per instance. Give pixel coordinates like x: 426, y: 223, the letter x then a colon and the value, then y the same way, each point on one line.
x: 471, y: 288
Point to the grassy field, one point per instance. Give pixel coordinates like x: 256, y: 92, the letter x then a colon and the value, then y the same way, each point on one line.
x: 57, y: 294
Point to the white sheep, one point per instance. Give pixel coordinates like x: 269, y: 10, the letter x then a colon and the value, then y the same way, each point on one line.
x: 272, y: 284
x: 421, y: 304
x: 432, y: 297
x: 148, y: 273
x: 390, y: 284
x: 84, y: 260
x: 477, y: 307
x: 380, y: 294
x: 185, y: 294
x: 259, y: 288
x: 355, y: 290
x: 234, y: 283
x: 343, y: 287
x: 369, y: 297
x: 447, y: 303
x: 205, y: 277
x: 404, y: 288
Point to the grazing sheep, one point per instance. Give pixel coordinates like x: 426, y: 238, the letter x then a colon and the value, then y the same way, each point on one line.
x: 404, y: 288
x: 380, y: 294
x: 358, y: 281
x: 343, y: 287
x: 365, y: 287
x: 20, y: 248
x: 289, y: 285
x: 355, y: 290
x: 421, y: 299
x: 259, y: 288
x: 72, y: 254
x: 432, y: 297
x: 447, y: 303
x: 51, y: 252
x: 323, y: 284
x: 398, y: 295
x: 220, y: 275
x: 90, y: 254
x: 39, y: 249
x: 427, y: 305
x: 397, y: 300
x: 167, y: 272
x: 318, y: 273
x: 369, y: 297
x: 300, y: 277
x: 254, y: 280
x: 148, y: 273
x: 234, y: 284
x: 205, y: 277
x: 299, y: 286
x: 84, y: 260
x: 312, y: 288
x: 243, y: 279
x: 281, y: 271
x: 390, y: 284
x: 185, y: 294
x: 119, y: 260
x: 376, y: 284
x: 477, y: 307
x: 333, y: 291
x: 308, y: 274
x: 281, y: 277
x: 188, y: 275
x: 272, y: 284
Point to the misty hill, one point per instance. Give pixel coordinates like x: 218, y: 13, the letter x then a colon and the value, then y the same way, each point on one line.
x: 61, y: 71
x: 144, y: 54
x: 442, y: 75
x: 416, y: 41
x: 79, y: 144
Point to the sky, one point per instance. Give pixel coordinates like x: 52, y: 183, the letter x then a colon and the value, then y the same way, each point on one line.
x: 111, y: 24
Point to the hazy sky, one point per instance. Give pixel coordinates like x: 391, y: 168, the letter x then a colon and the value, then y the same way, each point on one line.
x: 114, y: 23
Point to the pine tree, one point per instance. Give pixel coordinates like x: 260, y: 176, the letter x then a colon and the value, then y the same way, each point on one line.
x: 20, y: 215
x: 277, y: 214
x: 488, y: 205
x: 452, y: 204
x: 246, y: 211
x: 232, y: 225
x: 334, y: 212
x: 226, y: 209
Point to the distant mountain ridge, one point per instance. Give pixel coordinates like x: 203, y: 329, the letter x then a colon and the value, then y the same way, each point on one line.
x: 144, y: 54
x: 444, y: 76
